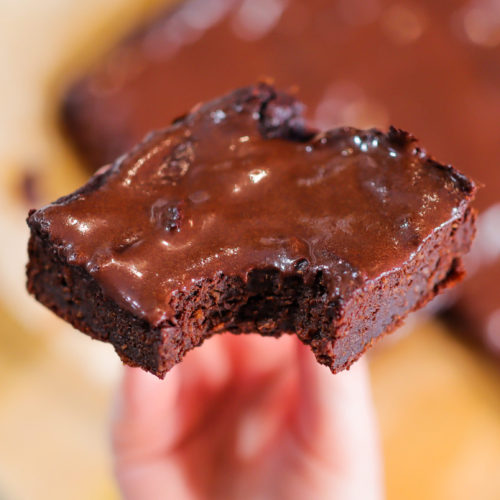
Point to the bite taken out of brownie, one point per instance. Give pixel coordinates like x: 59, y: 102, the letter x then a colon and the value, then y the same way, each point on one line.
x: 239, y: 218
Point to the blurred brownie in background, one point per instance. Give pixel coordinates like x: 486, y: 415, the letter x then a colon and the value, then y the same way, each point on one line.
x: 430, y: 67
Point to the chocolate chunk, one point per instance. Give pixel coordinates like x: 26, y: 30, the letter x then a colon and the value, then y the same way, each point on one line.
x: 167, y: 214
x: 177, y: 163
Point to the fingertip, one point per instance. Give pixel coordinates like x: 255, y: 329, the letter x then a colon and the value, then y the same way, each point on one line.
x: 309, y: 371
x: 305, y: 356
x: 208, y: 364
x: 319, y: 381
x: 141, y: 390
x: 335, y: 403
x: 254, y: 354
x: 143, y: 406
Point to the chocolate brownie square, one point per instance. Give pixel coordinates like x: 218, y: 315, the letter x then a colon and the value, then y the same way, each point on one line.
x: 239, y: 218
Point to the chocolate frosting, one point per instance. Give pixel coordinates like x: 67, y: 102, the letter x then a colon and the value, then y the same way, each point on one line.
x: 429, y: 67
x: 241, y: 183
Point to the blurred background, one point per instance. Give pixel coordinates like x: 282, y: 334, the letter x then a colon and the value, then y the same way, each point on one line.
x: 82, y: 81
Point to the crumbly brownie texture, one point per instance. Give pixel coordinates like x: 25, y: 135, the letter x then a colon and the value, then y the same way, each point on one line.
x: 239, y: 218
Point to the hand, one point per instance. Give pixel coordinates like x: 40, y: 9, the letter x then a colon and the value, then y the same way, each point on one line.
x: 245, y: 417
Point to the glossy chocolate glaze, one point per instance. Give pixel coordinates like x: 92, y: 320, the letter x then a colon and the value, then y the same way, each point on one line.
x: 430, y: 67
x: 240, y: 184
x: 364, y: 63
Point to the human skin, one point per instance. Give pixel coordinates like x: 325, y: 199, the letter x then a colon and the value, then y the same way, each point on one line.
x: 246, y: 417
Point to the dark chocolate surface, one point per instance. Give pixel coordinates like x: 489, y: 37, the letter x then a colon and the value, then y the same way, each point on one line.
x: 219, y: 193
x: 425, y: 66
x: 431, y: 67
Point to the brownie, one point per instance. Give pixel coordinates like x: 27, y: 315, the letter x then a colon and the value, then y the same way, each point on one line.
x: 427, y: 66
x: 239, y: 218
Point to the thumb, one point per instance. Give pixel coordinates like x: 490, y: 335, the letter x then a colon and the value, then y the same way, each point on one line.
x: 336, y: 422
x: 144, y: 430
x: 144, y: 413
